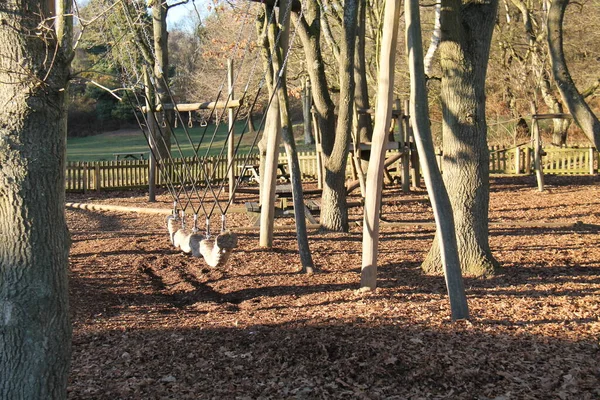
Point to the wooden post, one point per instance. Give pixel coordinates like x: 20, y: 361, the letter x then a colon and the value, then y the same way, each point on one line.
x: 517, y: 160
x: 374, y: 184
x: 97, y: 177
x: 85, y: 177
x: 318, y: 151
x: 415, y: 170
x: 306, y: 107
x: 269, y: 180
x: 405, y: 138
x: 537, y: 150
x: 527, y: 160
x: 592, y: 156
x: 230, y: 143
x: 152, y: 128
x: 404, y: 174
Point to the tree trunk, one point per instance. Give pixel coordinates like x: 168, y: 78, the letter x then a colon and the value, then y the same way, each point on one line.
x: 580, y: 110
x: 365, y: 126
x: 35, y: 331
x: 334, y: 143
x: 279, y: 51
x: 161, y: 76
x: 334, y: 211
x: 440, y: 202
x: 464, y: 51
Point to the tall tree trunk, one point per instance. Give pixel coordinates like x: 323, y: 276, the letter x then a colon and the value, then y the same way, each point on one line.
x: 365, y: 125
x: 161, y: 75
x: 279, y: 51
x: 464, y: 51
x: 35, y: 331
x: 440, y: 202
x: 334, y: 211
x: 581, y: 111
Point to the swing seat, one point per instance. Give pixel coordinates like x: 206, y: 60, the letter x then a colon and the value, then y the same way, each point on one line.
x: 172, y: 227
x: 217, y: 253
x: 190, y: 244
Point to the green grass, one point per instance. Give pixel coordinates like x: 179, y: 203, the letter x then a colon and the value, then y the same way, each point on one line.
x: 102, y: 147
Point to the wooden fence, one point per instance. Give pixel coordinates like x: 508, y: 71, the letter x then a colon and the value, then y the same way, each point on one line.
x: 127, y: 174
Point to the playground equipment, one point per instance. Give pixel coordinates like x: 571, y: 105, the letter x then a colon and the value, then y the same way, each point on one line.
x: 198, y: 189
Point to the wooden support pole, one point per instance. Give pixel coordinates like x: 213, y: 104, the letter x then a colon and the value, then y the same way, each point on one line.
x: 319, y: 150
x: 415, y: 170
x: 86, y: 183
x: 402, y: 123
x: 152, y: 132
x: 374, y: 184
x: 231, y: 141
x: 97, y: 177
x: 537, y: 150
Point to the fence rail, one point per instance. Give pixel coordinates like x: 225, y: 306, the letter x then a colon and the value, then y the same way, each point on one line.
x: 126, y: 174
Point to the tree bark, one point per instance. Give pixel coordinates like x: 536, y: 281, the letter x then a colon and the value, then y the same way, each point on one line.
x: 577, y: 106
x: 365, y: 126
x: 440, y: 202
x: 464, y: 52
x: 334, y: 210
x: 161, y: 76
x: 35, y: 331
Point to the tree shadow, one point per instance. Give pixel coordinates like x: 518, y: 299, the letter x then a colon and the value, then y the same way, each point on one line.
x: 332, y: 359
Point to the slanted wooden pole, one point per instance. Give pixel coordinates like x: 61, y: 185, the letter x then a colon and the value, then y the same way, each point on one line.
x: 440, y: 202
x: 383, y: 113
x: 152, y: 132
x: 231, y: 142
x: 287, y: 135
x: 272, y: 130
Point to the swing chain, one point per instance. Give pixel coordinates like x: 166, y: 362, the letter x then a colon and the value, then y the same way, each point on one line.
x: 182, y: 219
x: 190, y: 122
x: 222, y: 222
x: 195, y: 227
x: 175, y: 209
x: 207, y: 228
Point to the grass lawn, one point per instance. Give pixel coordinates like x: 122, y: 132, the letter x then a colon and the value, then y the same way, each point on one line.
x: 103, y: 147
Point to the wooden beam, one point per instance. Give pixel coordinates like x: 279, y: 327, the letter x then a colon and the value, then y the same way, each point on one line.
x: 296, y: 5
x: 552, y: 116
x: 208, y: 105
